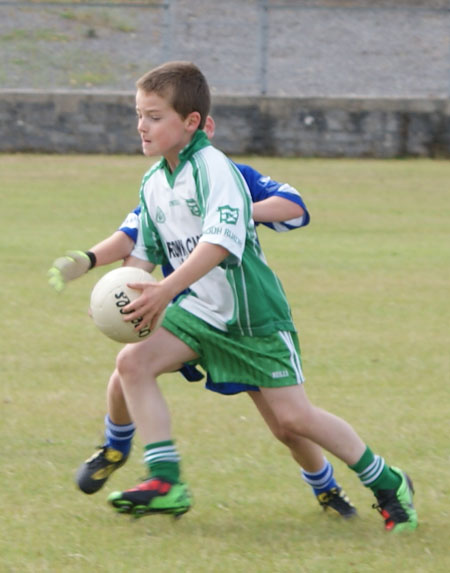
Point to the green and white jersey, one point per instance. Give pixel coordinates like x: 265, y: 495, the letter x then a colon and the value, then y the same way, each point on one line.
x: 207, y: 200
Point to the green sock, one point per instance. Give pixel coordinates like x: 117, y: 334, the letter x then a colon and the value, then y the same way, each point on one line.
x: 374, y: 473
x: 163, y: 460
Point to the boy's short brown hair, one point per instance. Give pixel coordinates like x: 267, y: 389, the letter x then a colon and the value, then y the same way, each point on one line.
x: 182, y: 84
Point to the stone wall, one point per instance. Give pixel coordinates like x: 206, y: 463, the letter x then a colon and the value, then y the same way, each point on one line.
x: 104, y: 122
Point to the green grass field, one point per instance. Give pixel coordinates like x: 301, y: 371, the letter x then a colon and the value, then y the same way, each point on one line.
x: 368, y: 281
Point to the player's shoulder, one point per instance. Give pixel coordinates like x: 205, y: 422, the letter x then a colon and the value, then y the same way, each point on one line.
x: 210, y: 153
x: 257, y: 180
x: 216, y: 162
x: 248, y: 171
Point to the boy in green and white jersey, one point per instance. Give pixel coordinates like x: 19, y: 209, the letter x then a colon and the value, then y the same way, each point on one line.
x: 235, y: 320
x: 210, y: 203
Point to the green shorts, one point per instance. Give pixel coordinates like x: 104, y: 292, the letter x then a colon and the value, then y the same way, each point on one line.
x: 268, y: 361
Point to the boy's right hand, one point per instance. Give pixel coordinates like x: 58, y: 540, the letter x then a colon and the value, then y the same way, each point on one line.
x: 64, y: 269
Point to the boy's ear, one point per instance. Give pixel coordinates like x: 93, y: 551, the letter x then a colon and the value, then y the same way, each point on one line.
x: 193, y: 121
x: 210, y: 127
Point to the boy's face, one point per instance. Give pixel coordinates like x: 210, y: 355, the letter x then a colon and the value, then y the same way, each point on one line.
x: 163, y: 131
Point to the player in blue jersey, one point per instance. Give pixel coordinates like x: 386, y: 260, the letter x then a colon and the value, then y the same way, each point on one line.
x: 276, y: 205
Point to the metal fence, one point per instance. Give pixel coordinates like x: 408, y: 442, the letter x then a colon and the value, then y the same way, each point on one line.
x: 310, y: 48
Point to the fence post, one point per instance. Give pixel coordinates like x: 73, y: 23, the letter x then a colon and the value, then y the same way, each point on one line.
x: 263, y: 41
x: 167, y: 30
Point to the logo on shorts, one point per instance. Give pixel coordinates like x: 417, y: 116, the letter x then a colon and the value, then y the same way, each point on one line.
x: 280, y: 374
x: 228, y: 214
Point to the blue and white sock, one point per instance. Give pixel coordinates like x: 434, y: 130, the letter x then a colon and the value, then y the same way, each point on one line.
x: 320, y: 481
x: 119, y: 436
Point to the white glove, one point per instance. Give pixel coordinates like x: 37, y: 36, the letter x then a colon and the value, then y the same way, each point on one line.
x: 70, y: 267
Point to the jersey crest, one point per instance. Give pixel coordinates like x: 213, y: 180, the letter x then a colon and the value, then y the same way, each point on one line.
x: 160, y: 217
x: 228, y: 214
x: 193, y: 207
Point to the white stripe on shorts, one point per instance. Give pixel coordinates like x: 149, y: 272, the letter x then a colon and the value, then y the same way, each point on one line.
x: 286, y: 337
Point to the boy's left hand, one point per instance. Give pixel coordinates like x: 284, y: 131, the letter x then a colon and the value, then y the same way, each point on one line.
x: 73, y: 265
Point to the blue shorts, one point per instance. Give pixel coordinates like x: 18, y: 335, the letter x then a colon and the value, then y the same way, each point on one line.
x: 193, y: 374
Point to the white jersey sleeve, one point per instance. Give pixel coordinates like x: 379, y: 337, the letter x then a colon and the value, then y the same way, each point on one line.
x: 226, y: 203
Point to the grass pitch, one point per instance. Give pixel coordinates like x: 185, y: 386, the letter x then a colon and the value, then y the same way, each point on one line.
x: 368, y: 283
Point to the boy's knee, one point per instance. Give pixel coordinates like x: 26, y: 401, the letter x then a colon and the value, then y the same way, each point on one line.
x: 132, y: 362
x: 290, y: 427
x: 292, y: 424
x: 285, y: 435
x: 127, y: 364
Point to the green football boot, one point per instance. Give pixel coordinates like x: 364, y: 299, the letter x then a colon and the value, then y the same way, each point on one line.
x: 396, y: 506
x: 152, y: 496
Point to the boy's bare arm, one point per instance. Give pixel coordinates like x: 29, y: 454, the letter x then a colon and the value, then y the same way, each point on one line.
x: 276, y: 209
x: 203, y: 258
x: 155, y: 297
x: 140, y: 263
x: 114, y: 248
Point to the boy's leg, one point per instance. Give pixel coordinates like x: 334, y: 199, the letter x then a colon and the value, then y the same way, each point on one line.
x: 316, y: 469
x: 138, y: 366
x: 391, y: 486
x: 296, y: 415
x: 310, y: 458
x: 115, y: 401
x: 119, y: 432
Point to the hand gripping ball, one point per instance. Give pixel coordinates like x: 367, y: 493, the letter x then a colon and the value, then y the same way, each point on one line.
x: 108, y: 298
